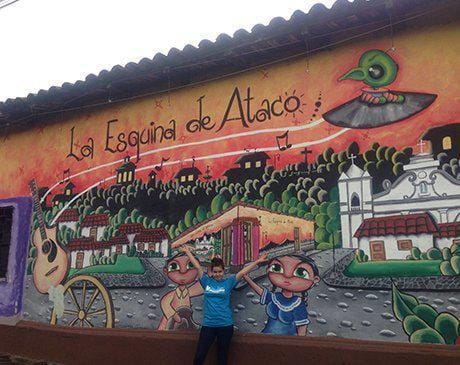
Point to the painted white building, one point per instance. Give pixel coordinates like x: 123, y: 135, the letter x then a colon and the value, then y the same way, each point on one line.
x: 154, y: 239
x: 204, y: 244
x: 81, y: 250
x: 68, y: 218
x: 423, y: 188
x: 94, y: 225
x: 392, y: 237
x: 119, y: 244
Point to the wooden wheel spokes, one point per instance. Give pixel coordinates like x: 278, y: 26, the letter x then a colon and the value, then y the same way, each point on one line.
x: 74, y: 298
x: 92, y: 299
x: 82, y: 315
x: 97, y: 313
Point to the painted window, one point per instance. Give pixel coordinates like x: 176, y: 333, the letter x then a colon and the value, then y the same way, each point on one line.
x: 80, y: 259
x: 130, y: 175
x: 355, y: 203
x: 119, y: 250
x: 190, y: 177
x: 446, y: 143
x: 423, y: 188
x: 404, y: 245
x: 258, y: 163
x: 125, y: 176
x: 68, y: 192
x: 151, y: 247
x: 119, y: 178
x: 182, y: 178
x: 140, y: 246
x: 93, y: 232
x: 6, y: 221
x: 247, y: 165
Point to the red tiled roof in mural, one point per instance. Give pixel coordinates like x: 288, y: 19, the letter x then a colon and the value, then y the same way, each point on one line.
x: 95, y: 220
x: 130, y: 228
x: 449, y: 229
x: 69, y: 215
x: 152, y: 235
x: 86, y: 243
x: 397, y: 225
x: 119, y: 240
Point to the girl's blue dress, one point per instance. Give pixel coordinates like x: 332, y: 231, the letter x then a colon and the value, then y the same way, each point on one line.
x: 284, y: 314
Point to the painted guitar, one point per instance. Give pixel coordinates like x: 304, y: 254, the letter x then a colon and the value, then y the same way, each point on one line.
x: 52, y: 263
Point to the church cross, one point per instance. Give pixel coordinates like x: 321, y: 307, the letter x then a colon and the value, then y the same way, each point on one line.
x: 352, y: 158
x: 421, y: 143
x: 305, y: 152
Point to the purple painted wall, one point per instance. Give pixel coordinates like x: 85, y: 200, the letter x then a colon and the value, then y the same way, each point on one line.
x: 11, y: 290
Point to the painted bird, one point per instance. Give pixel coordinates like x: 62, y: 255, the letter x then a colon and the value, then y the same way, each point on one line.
x: 376, y: 69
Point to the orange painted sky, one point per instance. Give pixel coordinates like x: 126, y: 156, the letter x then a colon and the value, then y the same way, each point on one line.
x: 427, y: 63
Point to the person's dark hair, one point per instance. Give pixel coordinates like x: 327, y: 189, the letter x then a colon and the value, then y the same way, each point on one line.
x: 302, y: 258
x: 216, y: 262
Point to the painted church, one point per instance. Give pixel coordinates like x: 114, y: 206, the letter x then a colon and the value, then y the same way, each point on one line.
x: 420, y: 209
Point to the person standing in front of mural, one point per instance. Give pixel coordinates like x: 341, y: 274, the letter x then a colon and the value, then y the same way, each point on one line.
x: 176, y: 305
x: 218, y: 321
x: 287, y: 313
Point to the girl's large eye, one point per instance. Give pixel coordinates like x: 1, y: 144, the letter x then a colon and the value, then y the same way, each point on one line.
x: 301, y: 272
x: 190, y: 265
x: 277, y: 268
x: 173, y: 266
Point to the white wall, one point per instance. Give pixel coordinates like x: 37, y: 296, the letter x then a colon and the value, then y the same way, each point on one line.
x: 445, y: 242
x: 71, y: 225
x: 423, y: 241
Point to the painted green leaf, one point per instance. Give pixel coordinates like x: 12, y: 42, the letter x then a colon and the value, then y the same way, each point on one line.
x: 448, y: 326
x: 446, y: 254
x: 427, y: 313
x: 426, y: 335
x: 455, y: 263
x: 403, y: 304
x: 413, y: 323
x: 446, y: 268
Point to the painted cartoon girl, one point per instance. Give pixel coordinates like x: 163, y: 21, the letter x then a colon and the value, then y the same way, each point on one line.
x: 176, y: 305
x: 287, y: 313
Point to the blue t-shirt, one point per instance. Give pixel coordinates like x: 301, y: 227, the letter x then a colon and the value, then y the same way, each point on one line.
x: 217, y: 311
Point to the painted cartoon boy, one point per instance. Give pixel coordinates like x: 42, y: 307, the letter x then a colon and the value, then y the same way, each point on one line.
x: 176, y: 305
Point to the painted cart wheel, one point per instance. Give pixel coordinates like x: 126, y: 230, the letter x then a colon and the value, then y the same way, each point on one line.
x: 82, y: 295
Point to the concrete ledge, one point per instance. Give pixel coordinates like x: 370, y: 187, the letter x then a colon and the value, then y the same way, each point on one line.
x: 71, y: 346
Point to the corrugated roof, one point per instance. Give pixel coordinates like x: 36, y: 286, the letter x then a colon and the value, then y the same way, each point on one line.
x: 95, y: 220
x: 280, y: 39
x: 69, y: 215
x: 152, y: 235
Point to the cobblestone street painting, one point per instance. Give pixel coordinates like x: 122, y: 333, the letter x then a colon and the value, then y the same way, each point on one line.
x: 353, y: 193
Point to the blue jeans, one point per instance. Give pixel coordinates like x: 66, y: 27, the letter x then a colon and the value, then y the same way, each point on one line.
x: 207, y: 337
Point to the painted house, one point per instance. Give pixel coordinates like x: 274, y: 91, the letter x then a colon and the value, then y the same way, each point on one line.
x: 130, y: 230
x: 392, y: 237
x: 66, y: 196
x: 81, y: 250
x: 245, y: 228
x: 423, y: 188
x: 448, y: 234
x: 126, y: 172
x: 445, y: 138
x: 93, y: 225
x: 251, y: 165
x: 153, y: 239
x: 187, y: 175
x: 119, y: 244
x: 69, y: 219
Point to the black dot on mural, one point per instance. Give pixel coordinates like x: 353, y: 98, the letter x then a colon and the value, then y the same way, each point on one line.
x: 314, y: 115
x: 318, y: 104
x: 316, y: 110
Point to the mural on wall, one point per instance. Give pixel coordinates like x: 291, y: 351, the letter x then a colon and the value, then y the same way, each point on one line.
x: 256, y: 164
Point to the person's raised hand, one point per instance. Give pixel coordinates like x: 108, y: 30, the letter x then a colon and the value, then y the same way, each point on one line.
x: 262, y: 258
x: 185, y: 248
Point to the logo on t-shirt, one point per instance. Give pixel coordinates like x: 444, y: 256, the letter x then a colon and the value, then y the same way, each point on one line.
x: 212, y: 290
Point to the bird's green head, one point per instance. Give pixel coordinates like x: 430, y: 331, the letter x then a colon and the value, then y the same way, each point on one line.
x: 375, y: 69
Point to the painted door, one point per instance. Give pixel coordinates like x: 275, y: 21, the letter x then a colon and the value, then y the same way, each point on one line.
x: 377, y: 250
x: 247, y: 241
x: 297, y: 238
x: 119, y: 250
x: 80, y: 258
x: 226, y: 245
